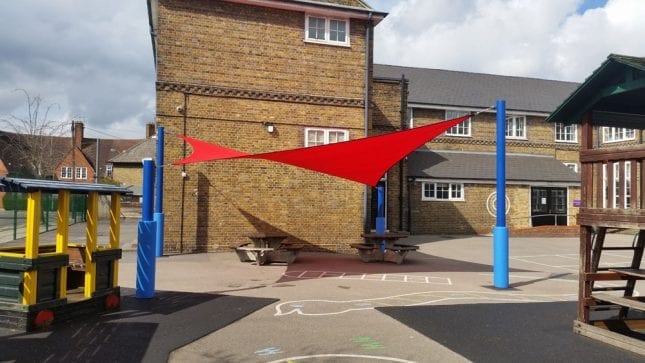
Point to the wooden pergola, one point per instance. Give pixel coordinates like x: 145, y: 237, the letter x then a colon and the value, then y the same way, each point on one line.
x: 613, y: 196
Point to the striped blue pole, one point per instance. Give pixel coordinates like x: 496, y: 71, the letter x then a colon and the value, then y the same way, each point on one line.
x: 147, y: 232
x: 158, y: 215
x: 500, y: 232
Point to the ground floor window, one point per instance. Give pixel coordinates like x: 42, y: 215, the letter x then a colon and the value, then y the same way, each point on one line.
x: 442, y: 191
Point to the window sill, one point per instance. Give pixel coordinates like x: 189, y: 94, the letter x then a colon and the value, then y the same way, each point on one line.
x: 327, y: 42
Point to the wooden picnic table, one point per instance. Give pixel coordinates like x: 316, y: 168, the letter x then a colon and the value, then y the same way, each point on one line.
x: 267, y: 247
x: 373, y: 250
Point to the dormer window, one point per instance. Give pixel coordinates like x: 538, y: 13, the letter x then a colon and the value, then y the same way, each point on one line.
x: 319, y: 29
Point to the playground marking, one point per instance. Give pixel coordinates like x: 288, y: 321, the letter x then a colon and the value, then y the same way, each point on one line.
x: 321, y: 307
x: 364, y: 357
x: 369, y: 277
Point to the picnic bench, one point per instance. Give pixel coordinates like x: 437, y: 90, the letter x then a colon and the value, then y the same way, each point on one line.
x: 267, y: 248
x: 383, y: 247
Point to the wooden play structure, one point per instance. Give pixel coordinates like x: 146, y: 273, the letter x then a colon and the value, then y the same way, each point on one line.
x: 611, y: 100
x: 45, y: 283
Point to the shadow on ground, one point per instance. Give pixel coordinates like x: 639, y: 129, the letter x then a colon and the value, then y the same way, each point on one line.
x: 330, y: 264
x: 144, y: 330
x: 527, y: 332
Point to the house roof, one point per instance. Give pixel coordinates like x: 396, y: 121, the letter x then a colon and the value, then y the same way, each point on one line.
x: 108, y: 149
x: 444, y: 89
x: 143, y: 149
x: 460, y: 165
x: 613, y: 93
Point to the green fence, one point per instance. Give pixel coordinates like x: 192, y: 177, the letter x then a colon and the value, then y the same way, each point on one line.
x: 13, y: 218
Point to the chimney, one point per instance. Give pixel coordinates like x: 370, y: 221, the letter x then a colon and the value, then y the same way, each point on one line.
x: 150, y: 130
x: 77, y: 133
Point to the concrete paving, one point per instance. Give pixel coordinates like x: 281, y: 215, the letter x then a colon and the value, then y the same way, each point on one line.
x: 335, y: 308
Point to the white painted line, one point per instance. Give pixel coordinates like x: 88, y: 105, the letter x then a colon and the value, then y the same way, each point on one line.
x: 373, y: 357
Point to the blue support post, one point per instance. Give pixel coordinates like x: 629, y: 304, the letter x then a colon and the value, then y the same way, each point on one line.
x: 158, y: 215
x: 380, y: 212
x: 500, y: 232
x: 147, y: 231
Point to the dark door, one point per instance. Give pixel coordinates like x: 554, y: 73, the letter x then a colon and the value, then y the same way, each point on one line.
x: 374, y: 204
x: 548, y: 206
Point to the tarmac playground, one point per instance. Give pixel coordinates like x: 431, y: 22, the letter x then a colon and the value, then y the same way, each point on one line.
x: 438, y: 306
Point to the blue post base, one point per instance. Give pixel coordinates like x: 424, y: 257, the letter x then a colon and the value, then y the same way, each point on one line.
x: 500, y: 257
x: 380, y: 228
x: 159, y: 218
x: 145, y: 284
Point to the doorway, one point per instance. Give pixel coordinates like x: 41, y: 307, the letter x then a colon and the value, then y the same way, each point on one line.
x: 548, y: 206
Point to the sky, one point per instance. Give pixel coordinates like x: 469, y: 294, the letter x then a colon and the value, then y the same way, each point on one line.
x: 92, y: 60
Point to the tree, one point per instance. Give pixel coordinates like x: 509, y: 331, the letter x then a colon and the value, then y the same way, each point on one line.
x: 33, y: 141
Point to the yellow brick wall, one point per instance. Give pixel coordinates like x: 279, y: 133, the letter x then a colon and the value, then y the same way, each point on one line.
x: 127, y: 174
x: 251, y: 47
x: 259, y: 58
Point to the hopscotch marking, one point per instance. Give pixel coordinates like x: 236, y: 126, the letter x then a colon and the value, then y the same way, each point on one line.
x: 369, y: 277
x: 336, y: 307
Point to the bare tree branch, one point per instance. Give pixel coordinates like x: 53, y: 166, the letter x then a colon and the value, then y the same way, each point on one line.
x: 32, y: 142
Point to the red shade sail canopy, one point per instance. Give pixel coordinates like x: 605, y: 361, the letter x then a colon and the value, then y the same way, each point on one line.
x: 363, y: 160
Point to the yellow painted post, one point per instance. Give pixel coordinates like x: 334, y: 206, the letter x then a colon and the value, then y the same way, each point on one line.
x: 91, y: 244
x: 115, y: 233
x: 31, y: 246
x: 62, y: 237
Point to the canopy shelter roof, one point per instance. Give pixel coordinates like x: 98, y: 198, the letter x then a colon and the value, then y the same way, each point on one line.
x: 613, y: 93
x: 20, y: 185
x: 363, y: 160
x: 462, y: 165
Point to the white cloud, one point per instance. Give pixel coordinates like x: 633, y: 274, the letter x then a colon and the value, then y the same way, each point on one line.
x: 545, y: 39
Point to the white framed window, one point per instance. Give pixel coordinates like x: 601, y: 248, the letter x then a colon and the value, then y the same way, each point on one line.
x: 615, y: 134
x: 566, y: 133
x: 319, y: 29
x: 516, y: 127
x: 317, y: 136
x: 463, y: 129
x: 108, y: 170
x: 572, y: 166
x: 66, y: 172
x: 442, y: 191
x: 615, y: 185
x: 81, y: 173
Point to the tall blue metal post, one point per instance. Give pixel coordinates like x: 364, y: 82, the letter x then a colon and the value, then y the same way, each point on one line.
x: 500, y: 232
x: 158, y: 215
x: 380, y: 212
x: 145, y: 284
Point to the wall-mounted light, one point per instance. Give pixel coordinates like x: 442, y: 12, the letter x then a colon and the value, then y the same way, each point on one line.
x: 270, y: 127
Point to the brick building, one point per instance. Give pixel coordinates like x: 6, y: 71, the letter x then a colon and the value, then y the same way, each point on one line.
x: 86, y: 161
x: 452, y: 179
x: 260, y: 76
x: 271, y: 75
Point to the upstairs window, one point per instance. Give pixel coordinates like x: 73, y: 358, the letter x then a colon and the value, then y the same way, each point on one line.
x: 325, y: 30
x: 566, y: 133
x: 463, y: 129
x: 66, y: 172
x: 108, y: 170
x: 81, y: 173
x: 615, y: 134
x: 316, y: 137
x: 516, y: 127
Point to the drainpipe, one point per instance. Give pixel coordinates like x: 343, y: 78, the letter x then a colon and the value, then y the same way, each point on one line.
x: 183, y: 180
x: 368, y: 30
x: 403, y: 112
